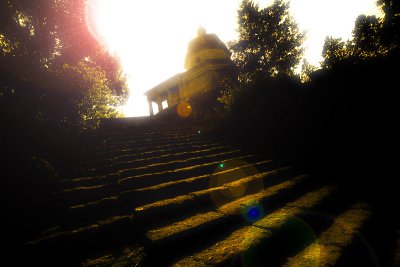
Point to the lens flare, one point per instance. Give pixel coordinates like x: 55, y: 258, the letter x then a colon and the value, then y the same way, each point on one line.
x: 92, y: 20
x: 295, y: 234
x: 184, y: 109
x: 253, y: 212
x: 235, y: 174
x: 236, y: 191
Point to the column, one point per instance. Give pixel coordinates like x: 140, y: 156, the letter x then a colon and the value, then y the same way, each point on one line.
x: 151, y: 107
x: 159, y: 103
x: 170, y: 98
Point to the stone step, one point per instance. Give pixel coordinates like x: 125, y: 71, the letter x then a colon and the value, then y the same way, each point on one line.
x: 328, y: 248
x: 106, y: 230
x: 248, y: 237
x: 114, y: 183
x: 104, y: 154
x: 167, y: 191
x: 71, y: 247
x: 111, y: 145
x: 134, y: 135
x: 227, y: 212
x: 212, y: 239
x: 125, y: 202
x: 152, y: 162
x: 206, y: 200
x: 268, y: 241
x: 138, y: 153
x: 182, y: 156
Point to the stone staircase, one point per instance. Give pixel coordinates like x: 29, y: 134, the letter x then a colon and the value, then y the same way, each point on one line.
x: 155, y: 193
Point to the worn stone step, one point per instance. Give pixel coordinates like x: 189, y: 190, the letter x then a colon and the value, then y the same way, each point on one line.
x: 185, y: 155
x: 184, y: 146
x: 110, y: 146
x: 127, y: 201
x: 168, y: 164
x: 94, y: 167
x: 120, y: 153
x: 289, y: 227
x: 161, y: 213
x: 147, y: 141
x: 376, y: 241
x: 73, y: 246
x: 149, y: 162
x: 111, y: 231
x: 139, y: 134
x: 205, y: 166
x: 112, y: 184
x: 103, y: 149
x: 330, y: 245
x: 167, y: 189
x: 228, y: 213
x: 115, y: 171
x: 249, y: 236
x: 158, y: 128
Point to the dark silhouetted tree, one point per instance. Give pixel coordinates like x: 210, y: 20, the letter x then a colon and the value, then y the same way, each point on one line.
x: 372, y: 37
x: 367, y: 41
x: 306, y: 69
x: 365, y: 44
x: 391, y: 24
x: 269, y: 44
x: 334, y: 51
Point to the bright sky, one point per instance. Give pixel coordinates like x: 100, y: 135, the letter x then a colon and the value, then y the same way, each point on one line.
x: 151, y: 36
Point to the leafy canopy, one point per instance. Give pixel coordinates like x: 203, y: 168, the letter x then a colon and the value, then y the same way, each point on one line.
x: 47, y: 48
x: 269, y: 44
x: 372, y: 37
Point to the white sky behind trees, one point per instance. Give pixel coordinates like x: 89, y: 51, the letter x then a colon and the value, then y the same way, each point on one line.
x: 151, y: 37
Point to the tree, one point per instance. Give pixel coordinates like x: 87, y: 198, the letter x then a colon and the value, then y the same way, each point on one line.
x: 335, y: 50
x: 365, y: 44
x: 367, y: 37
x: 55, y: 61
x: 372, y: 37
x: 269, y: 44
x: 95, y: 98
x: 306, y: 69
x: 391, y: 25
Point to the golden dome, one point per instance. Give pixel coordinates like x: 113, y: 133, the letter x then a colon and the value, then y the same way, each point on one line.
x: 205, y: 47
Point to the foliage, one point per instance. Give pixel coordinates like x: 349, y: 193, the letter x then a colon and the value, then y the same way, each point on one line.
x: 367, y: 40
x: 59, y: 71
x: 229, y: 91
x: 269, y: 44
x: 306, y: 69
x: 97, y: 100
x: 335, y: 50
x: 391, y: 27
x: 372, y: 38
x: 344, y: 111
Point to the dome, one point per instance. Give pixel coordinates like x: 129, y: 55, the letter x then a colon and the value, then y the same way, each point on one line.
x: 205, y: 46
x: 205, y: 40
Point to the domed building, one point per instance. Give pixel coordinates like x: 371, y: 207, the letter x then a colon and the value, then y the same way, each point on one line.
x: 206, y: 60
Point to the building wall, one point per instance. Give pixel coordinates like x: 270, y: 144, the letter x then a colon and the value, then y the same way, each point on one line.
x: 204, y: 54
x: 198, y: 84
x: 173, y: 95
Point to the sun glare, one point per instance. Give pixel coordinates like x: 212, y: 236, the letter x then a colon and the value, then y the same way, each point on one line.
x: 151, y: 37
